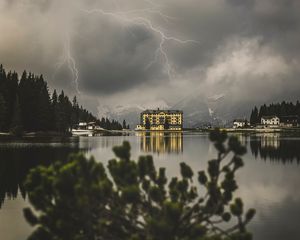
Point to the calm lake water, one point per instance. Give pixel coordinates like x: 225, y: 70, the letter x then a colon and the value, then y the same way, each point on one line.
x: 269, y: 182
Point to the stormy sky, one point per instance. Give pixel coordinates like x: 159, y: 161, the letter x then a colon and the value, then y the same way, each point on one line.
x: 143, y: 51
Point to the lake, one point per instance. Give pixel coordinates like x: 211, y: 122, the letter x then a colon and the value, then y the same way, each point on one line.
x: 269, y: 181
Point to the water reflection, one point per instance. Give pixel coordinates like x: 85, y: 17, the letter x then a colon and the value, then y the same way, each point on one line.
x: 243, y: 138
x: 270, y: 188
x: 275, y: 147
x: 17, y: 159
x: 161, y: 142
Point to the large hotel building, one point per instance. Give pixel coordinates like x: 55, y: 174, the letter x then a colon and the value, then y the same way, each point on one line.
x: 161, y: 120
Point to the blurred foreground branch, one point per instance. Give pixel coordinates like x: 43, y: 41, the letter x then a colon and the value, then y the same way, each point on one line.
x: 80, y: 199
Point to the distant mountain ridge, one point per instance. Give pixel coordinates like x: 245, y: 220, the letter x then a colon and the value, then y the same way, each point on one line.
x: 130, y: 113
x: 198, y: 110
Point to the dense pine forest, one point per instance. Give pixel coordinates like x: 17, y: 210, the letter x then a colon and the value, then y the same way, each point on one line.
x: 26, y: 105
x: 279, y: 109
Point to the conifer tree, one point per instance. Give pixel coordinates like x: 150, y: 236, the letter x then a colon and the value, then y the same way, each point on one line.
x: 75, y: 112
x: 16, y: 125
x: 254, y: 119
x: 62, y: 113
x: 124, y: 124
x: 54, y: 111
x: 10, y: 91
x: 28, y: 101
x: 2, y: 112
x: 44, y: 106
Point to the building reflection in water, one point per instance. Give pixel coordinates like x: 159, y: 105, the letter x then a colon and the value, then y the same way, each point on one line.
x: 243, y: 138
x: 270, y: 140
x: 161, y: 142
x: 275, y: 147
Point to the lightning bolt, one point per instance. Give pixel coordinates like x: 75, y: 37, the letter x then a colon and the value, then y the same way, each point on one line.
x: 132, y: 17
x: 124, y: 16
x: 152, y: 3
x: 69, y: 60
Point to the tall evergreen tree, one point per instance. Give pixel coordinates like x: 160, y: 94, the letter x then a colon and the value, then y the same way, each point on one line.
x: 16, y: 125
x: 10, y: 91
x: 62, y: 118
x: 2, y: 112
x: 44, y: 106
x: 54, y: 101
x: 75, y: 112
x: 124, y: 126
x: 254, y: 116
x: 28, y: 101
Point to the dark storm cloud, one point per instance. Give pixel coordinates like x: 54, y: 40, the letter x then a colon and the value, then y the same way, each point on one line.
x: 110, y: 66
x: 42, y: 5
x: 243, y: 3
x: 242, y: 47
x: 210, y: 23
x: 277, y: 21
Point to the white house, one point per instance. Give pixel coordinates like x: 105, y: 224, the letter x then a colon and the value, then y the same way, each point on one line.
x: 88, y: 126
x: 270, y: 120
x: 140, y: 127
x: 239, y: 123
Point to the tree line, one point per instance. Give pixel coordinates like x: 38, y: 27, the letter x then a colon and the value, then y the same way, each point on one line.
x: 279, y: 109
x: 26, y: 105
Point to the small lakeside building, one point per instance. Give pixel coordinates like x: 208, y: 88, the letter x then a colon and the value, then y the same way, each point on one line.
x: 240, y: 123
x: 270, y: 120
x: 283, y: 121
x: 88, y: 126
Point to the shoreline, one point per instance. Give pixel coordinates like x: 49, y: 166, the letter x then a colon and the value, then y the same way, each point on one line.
x: 34, y: 135
x: 62, y: 136
x: 262, y: 130
x: 247, y: 130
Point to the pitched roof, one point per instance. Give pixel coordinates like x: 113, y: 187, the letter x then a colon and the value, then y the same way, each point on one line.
x: 148, y: 111
x: 269, y: 117
x: 240, y: 120
x: 290, y: 118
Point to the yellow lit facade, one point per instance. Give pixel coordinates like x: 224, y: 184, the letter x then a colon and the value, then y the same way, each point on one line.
x: 161, y: 120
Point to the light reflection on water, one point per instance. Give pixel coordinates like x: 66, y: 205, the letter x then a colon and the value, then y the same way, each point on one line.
x: 161, y: 143
x: 268, y: 182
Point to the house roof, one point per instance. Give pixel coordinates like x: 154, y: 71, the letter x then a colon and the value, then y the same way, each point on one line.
x: 269, y: 117
x: 159, y: 111
x: 289, y: 118
x: 240, y: 120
